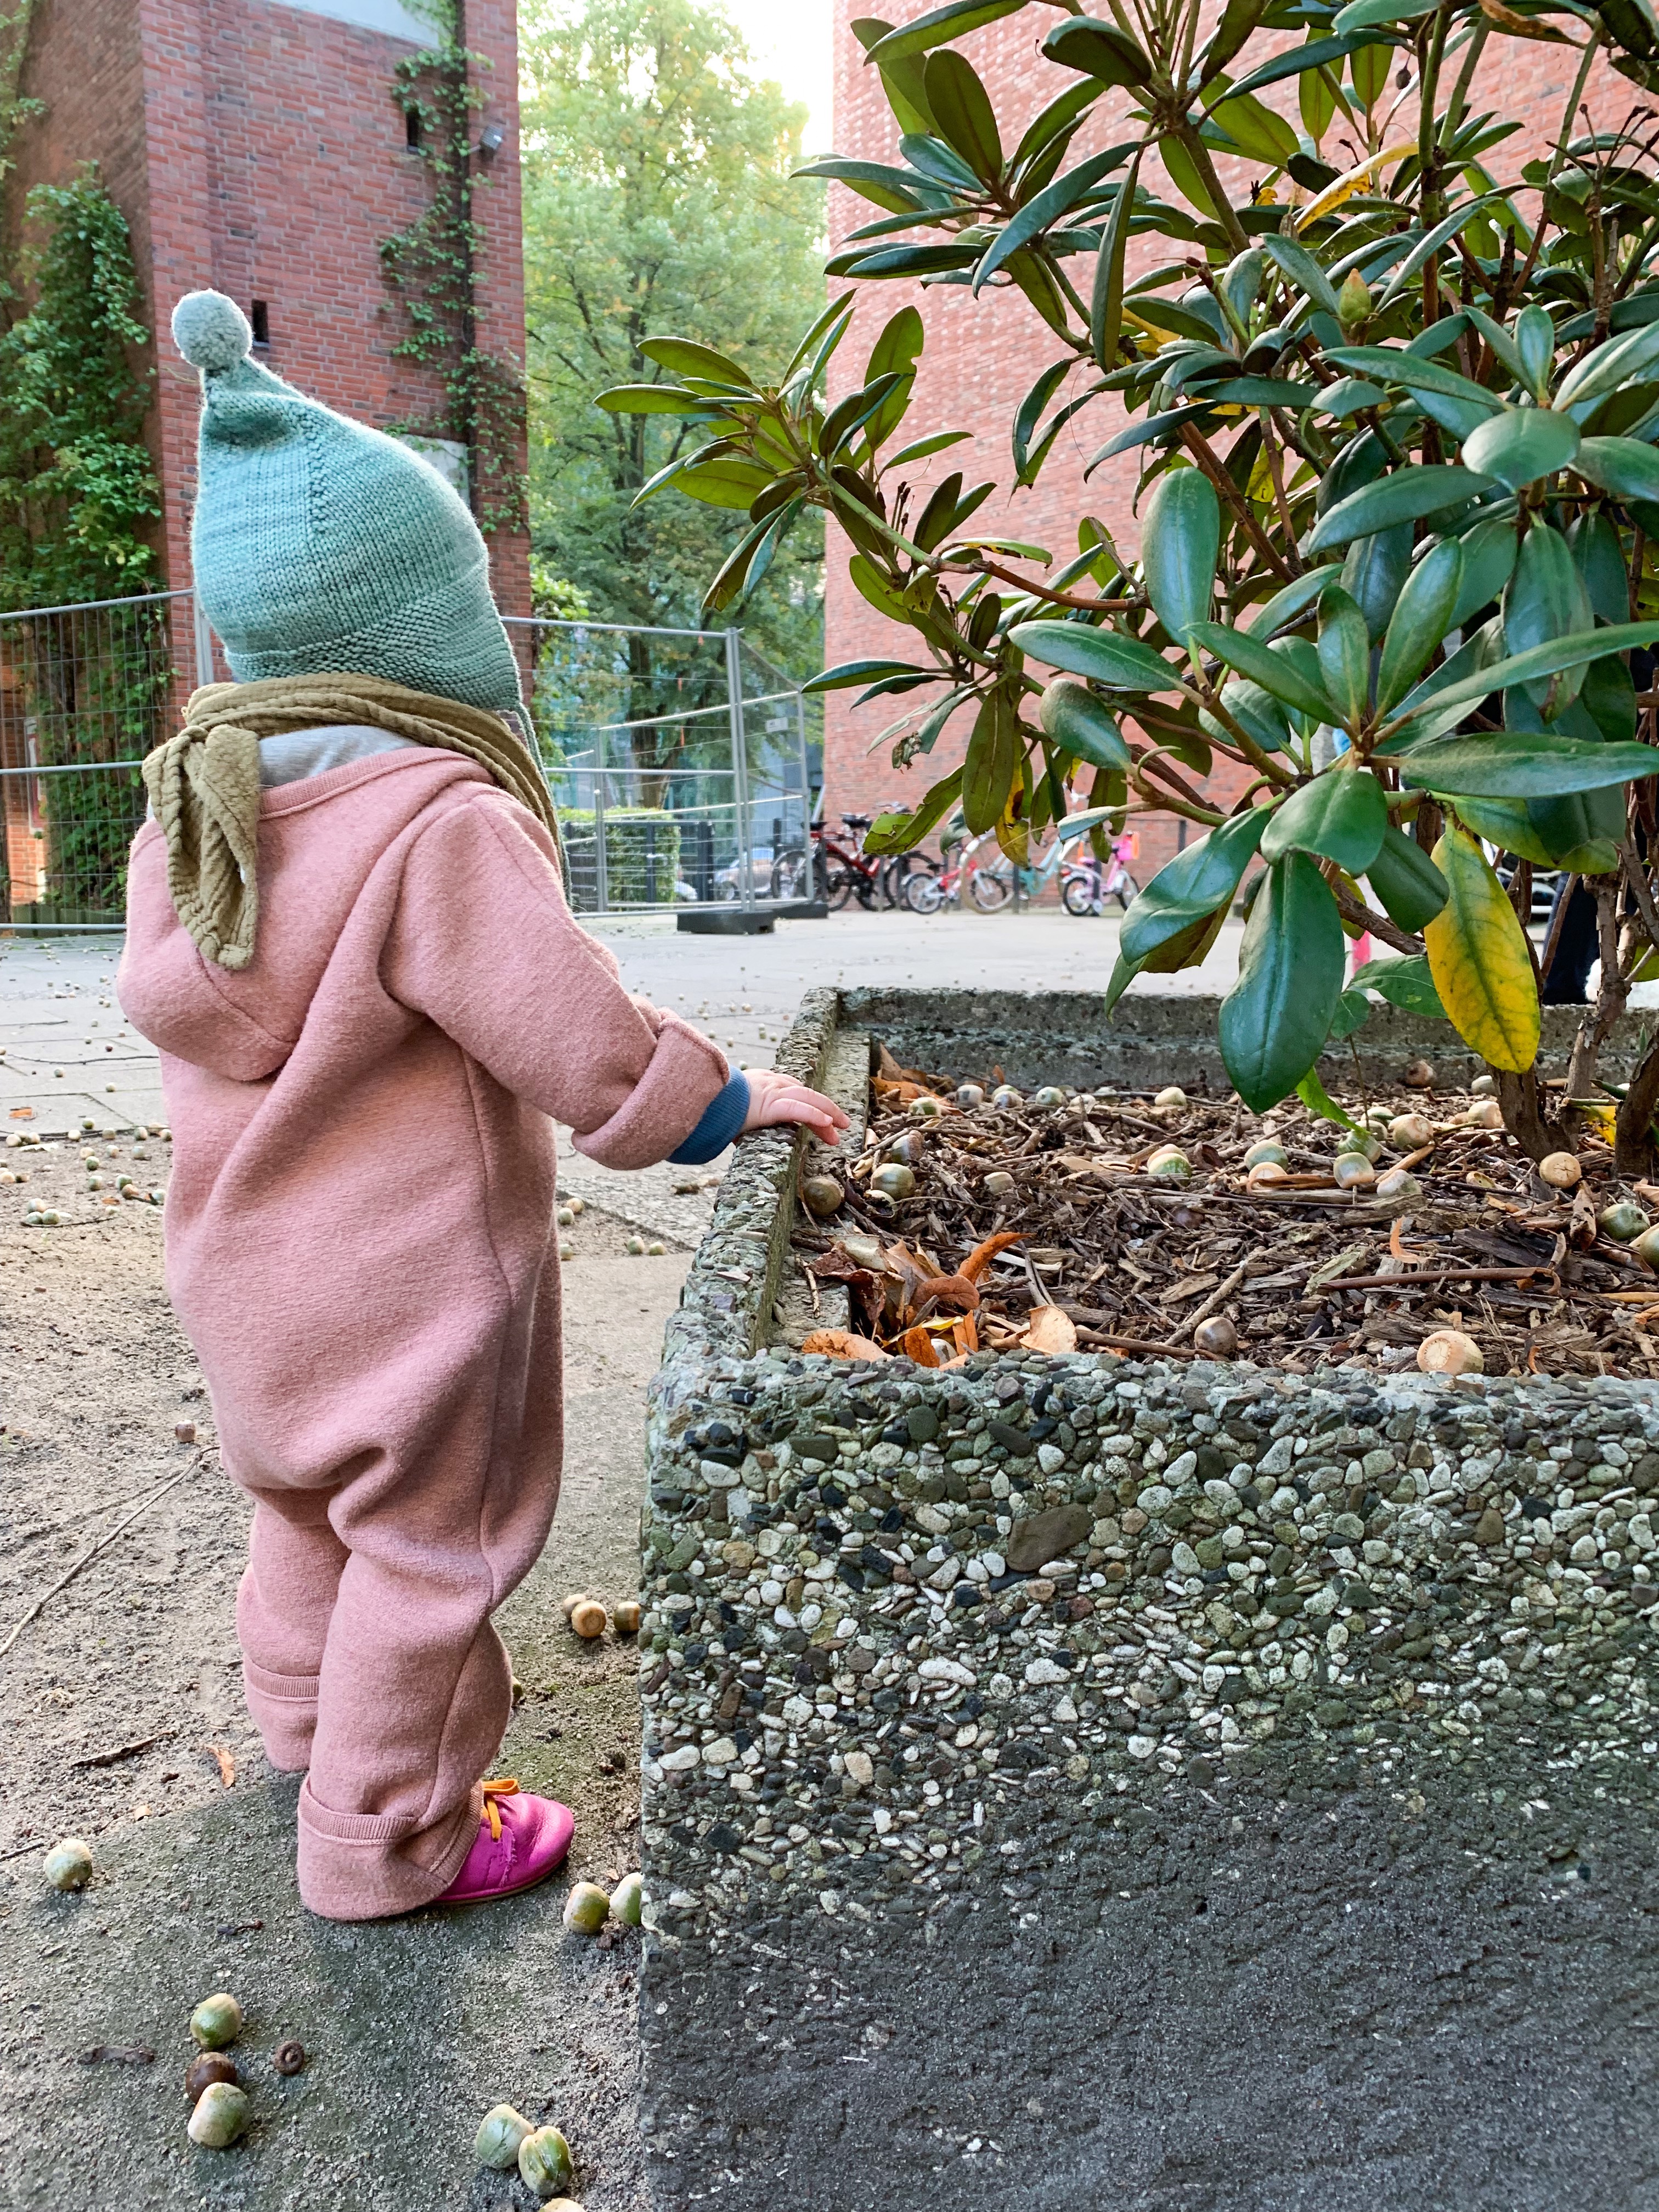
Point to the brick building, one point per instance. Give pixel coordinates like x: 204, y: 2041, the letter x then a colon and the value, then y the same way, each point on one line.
x: 982, y: 357
x: 258, y: 146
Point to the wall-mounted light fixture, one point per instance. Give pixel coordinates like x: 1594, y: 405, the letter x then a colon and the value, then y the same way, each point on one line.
x: 491, y: 141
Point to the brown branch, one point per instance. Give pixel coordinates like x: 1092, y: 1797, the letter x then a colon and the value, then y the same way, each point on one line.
x: 1355, y: 910
x: 1205, y: 455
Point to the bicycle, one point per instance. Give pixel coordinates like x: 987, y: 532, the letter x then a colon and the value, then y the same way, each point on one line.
x: 839, y: 871
x: 1087, y: 883
x: 942, y: 883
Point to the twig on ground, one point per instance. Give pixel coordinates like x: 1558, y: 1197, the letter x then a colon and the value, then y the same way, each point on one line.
x: 102, y: 1545
x: 124, y: 1751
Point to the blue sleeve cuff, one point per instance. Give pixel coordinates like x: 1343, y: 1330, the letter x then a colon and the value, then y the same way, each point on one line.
x: 721, y: 1121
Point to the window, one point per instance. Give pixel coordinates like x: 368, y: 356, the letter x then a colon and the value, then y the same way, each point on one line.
x: 259, y: 316
x: 412, y: 129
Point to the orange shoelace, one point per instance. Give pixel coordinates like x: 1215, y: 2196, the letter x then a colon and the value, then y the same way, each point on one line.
x: 505, y: 1785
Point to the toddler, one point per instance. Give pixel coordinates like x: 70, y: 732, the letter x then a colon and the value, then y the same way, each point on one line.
x: 347, y: 937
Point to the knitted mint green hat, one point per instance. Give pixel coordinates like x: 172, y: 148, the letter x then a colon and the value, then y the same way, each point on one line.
x: 320, y: 545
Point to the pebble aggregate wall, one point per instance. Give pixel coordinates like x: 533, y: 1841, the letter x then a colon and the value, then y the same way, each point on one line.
x: 898, y: 1622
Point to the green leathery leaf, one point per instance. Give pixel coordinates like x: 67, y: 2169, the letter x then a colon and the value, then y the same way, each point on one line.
x: 1299, y: 266
x: 992, y: 764
x: 1081, y: 724
x: 1535, y: 342
x: 897, y: 350
x: 1341, y: 815
x: 1098, y: 50
x: 1531, y: 666
x: 1312, y: 1093
x: 1191, y: 885
x: 1353, y: 1012
x: 728, y: 481
x: 1295, y: 59
x: 848, y: 674
x: 1344, y: 655
x: 852, y: 413
x: 1405, y: 983
x: 1180, y: 549
x: 1625, y: 467
x: 1275, y: 1020
x: 1123, y: 664
x: 1524, y: 444
x: 1253, y: 709
x: 1047, y: 207
x: 1546, y: 600
x: 749, y: 559
x: 1609, y: 697
x: 925, y: 447
x: 1489, y: 551
x: 1600, y: 560
x: 1409, y: 495
x: 1421, y: 618
x: 1185, y: 946
x: 1478, y: 958
x: 1579, y: 833
x: 1106, y: 305
x: 1411, y: 888
x: 963, y: 113
x: 1030, y: 409
x: 1290, y: 604
x: 1266, y: 664
x: 1374, y: 573
x: 901, y: 833
x: 1618, y: 362
x: 654, y: 399
x: 687, y: 357
x: 953, y: 20
x: 1524, y: 764
x: 1256, y: 131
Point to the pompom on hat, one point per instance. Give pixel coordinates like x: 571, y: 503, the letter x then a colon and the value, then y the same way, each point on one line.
x: 322, y: 546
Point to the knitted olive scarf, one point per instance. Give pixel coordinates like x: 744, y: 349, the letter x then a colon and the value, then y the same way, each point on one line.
x: 204, y: 783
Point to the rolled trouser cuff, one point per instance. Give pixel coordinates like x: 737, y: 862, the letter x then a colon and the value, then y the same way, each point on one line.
x: 365, y: 1866
x: 284, y: 1711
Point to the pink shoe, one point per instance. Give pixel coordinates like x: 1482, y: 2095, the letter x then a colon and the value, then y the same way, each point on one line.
x: 521, y: 1840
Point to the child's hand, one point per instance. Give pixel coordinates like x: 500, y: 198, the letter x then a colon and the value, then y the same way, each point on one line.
x: 773, y: 1097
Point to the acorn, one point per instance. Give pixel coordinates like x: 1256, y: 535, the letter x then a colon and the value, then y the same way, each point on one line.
x: 909, y: 1147
x: 1409, y: 1133
x: 627, y: 1900
x: 1485, y: 1086
x: 998, y: 1183
x: 207, y: 2067
x: 1172, y: 1095
x: 1486, y: 1114
x: 1266, y: 1175
x: 577, y: 1206
x: 567, y: 1251
x: 1646, y: 1247
x: 1170, y: 1164
x: 927, y: 1108
x: 1398, y: 1185
x: 564, y: 1218
x: 545, y: 2160
x: 969, y: 1095
x: 1365, y: 1142
x: 1217, y: 1338
x: 569, y: 1603
x: 221, y: 2115
x: 1448, y: 1352
x: 587, y: 1908
x: 1006, y: 1099
x: 893, y: 1180
x: 635, y: 1248
x: 1353, y: 1171
x: 1623, y: 1221
x: 625, y: 1619
x: 1267, y: 1154
x: 823, y: 1195
x: 588, y: 1619
x: 1048, y: 1097
x: 500, y: 2133
x: 68, y: 1865
x: 216, y: 2022
x: 1418, y: 1075
x: 1560, y: 1171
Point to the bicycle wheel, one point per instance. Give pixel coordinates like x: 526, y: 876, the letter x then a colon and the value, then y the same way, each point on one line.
x: 1126, y: 889
x: 923, y: 894
x: 1077, y: 896
x: 790, y: 873
x: 839, y: 883
x: 992, y: 888
x: 895, y: 876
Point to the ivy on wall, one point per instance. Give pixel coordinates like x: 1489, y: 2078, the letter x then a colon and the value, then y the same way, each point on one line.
x: 433, y: 265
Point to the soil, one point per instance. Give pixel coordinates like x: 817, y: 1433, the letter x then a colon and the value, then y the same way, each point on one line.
x: 1304, y: 1271
x: 121, y: 1714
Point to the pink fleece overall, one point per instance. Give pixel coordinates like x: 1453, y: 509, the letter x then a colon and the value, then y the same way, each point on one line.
x: 360, y: 1245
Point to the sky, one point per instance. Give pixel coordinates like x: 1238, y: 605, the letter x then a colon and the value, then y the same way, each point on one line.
x: 791, y: 41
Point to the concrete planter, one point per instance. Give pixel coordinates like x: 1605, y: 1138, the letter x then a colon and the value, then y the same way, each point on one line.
x: 1143, y: 1784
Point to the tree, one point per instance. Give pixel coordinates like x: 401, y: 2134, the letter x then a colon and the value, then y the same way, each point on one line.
x: 1398, y: 442
x: 657, y: 197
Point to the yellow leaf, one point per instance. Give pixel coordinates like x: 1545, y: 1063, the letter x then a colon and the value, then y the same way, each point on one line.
x: 1479, y: 959
x: 1346, y: 185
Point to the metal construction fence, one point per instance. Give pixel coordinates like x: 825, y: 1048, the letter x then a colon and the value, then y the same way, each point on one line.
x: 681, y: 761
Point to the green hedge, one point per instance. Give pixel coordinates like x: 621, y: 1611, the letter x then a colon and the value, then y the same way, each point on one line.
x: 632, y: 835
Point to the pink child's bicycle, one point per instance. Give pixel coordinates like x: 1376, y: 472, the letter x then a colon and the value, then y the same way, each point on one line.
x: 1086, y: 883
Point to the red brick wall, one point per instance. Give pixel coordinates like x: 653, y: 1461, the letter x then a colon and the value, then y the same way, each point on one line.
x: 259, y: 149
x: 982, y: 357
